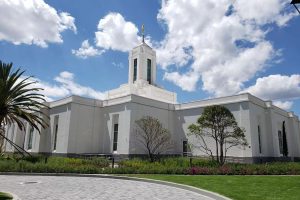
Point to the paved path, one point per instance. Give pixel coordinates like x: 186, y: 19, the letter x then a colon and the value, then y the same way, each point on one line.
x: 59, y: 187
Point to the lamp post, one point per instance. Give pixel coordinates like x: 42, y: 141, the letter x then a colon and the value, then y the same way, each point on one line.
x: 294, y: 2
x: 113, y: 159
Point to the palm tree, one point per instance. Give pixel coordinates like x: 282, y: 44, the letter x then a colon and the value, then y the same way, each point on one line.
x: 20, y: 102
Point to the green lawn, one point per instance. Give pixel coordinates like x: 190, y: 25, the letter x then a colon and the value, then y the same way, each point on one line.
x: 241, y: 187
x: 5, y: 196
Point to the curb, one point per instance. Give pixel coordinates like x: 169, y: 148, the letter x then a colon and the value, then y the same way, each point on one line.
x: 199, y: 191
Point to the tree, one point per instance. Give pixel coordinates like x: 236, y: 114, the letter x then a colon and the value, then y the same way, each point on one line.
x: 20, y: 102
x: 153, y: 136
x: 218, y: 123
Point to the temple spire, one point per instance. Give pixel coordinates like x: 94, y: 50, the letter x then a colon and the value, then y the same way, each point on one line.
x: 143, y: 33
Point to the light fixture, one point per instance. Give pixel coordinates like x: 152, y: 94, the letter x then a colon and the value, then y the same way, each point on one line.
x: 294, y: 2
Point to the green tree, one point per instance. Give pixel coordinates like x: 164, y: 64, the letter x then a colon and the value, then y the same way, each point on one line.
x: 20, y: 102
x: 219, y: 124
x: 153, y: 136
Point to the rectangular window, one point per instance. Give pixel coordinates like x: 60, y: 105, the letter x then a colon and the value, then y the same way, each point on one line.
x: 259, y: 139
x: 280, y: 140
x: 149, y: 71
x: 56, y: 118
x: 185, y: 148
x: 115, y: 143
x: 30, y: 136
x: 134, y: 69
x: 12, y: 134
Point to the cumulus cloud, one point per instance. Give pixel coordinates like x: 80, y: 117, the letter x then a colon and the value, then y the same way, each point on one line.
x: 230, y: 76
x: 115, y: 33
x: 33, y: 22
x: 274, y: 87
x: 118, y: 65
x: 86, y: 50
x: 186, y: 82
x: 66, y: 81
x: 262, y: 12
x: 65, y: 85
x: 286, y: 105
x: 225, y: 49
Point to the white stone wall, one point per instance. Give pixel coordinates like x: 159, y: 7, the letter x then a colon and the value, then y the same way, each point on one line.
x: 141, y: 107
x: 86, y: 125
x: 186, y: 117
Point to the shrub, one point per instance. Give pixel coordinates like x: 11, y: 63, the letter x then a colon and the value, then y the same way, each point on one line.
x: 179, y: 165
x: 5, y: 196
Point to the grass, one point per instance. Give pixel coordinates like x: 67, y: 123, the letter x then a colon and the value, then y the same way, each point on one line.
x: 5, y: 196
x: 241, y: 187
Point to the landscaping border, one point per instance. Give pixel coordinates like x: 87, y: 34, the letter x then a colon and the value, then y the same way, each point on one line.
x: 202, y: 192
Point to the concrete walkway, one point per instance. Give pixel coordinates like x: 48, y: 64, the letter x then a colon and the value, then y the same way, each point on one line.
x: 67, y: 187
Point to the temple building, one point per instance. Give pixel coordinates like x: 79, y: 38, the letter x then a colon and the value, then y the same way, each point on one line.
x: 79, y: 125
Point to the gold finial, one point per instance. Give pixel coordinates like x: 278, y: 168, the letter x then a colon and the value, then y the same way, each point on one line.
x: 143, y: 32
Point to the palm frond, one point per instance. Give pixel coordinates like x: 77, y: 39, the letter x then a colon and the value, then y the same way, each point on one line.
x: 20, y: 101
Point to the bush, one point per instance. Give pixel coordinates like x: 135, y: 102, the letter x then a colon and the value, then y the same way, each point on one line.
x: 53, y: 165
x: 5, y: 196
x: 178, y: 165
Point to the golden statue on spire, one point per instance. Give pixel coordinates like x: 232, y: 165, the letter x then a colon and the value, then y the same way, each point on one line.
x: 143, y: 32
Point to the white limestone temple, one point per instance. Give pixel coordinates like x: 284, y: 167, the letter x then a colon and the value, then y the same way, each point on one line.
x: 80, y: 125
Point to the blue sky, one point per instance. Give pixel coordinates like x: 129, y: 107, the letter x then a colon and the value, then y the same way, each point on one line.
x: 205, y: 49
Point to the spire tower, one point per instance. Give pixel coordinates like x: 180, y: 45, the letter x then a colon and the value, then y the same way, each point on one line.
x: 143, y: 33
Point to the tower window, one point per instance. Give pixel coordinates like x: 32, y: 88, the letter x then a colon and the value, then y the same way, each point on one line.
x: 134, y: 69
x: 115, y: 143
x: 55, y: 131
x: 30, y: 136
x: 149, y: 71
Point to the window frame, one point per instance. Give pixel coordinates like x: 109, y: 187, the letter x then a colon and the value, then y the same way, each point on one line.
x: 56, y: 120
x: 115, y: 138
x: 185, y: 148
x: 134, y: 69
x: 259, y: 139
x: 280, y: 141
x: 30, y: 138
x: 149, y: 71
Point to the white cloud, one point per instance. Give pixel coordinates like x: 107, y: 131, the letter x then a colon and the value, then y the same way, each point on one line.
x: 262, y: 12
x: 186, y: 81
x: 218, y: 42
x: 115, y: 33
x: 276, y: 87
x: 286, y: 105
x: 33, y: 22
x: 230, y: 76
x: 50, y: 91
x: 66, y: 81
x: 64, y: 86
x: 86, y: 50
x: 118, y: 65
